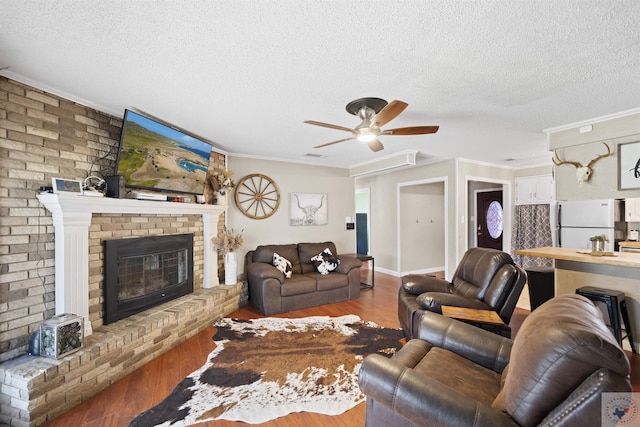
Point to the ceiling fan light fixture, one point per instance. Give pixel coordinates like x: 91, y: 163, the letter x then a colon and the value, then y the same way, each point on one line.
x: 365, y: 132
x: 374, y: 113
x: 366, y: 137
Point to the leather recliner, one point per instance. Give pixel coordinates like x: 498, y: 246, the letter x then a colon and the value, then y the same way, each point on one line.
x: 553, y: 373
x: 486, y: 279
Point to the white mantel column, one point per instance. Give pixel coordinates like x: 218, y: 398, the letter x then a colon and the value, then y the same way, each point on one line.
x: 210, y: 265
x: 72, y: 262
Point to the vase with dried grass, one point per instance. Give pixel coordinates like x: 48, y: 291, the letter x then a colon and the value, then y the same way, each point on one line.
x: 227, y: 242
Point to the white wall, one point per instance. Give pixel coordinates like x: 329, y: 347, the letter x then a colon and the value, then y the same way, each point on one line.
x: 384, y: 208
x: 581, y: 147
x: 384, y: 202
x: 294, y: 178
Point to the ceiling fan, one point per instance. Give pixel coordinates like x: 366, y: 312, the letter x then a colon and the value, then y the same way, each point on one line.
x: 374, y: 113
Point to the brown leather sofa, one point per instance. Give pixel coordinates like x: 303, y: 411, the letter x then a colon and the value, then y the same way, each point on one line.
x: 486, y: 279
x: 272, y: 293
x: 553, y: 373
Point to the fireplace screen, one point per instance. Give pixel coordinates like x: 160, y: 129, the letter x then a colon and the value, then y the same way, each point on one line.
x: 139, y: 275
x: 144, y: 272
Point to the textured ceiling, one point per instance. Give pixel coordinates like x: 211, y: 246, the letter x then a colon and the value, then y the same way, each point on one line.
x: 246, y: 74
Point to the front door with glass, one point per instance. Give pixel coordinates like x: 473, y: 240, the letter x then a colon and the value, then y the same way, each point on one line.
x: 489, y: 224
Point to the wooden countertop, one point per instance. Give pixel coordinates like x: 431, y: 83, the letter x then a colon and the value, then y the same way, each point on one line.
x: 620, y: 259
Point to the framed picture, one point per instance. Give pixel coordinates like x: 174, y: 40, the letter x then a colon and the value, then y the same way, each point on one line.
x: 308, y: 209
x: 629, y: 166
x: 67, y: 186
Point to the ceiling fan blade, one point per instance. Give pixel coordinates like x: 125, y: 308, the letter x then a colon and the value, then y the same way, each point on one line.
x: 375, y: 145
x: 388, y: 113
x: 331, y: 143
x: 413, y: 130
x: 328, y: 125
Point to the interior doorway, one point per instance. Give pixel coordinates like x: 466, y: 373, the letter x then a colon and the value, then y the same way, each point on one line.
x: 490, y: 222
x: 422, y: 226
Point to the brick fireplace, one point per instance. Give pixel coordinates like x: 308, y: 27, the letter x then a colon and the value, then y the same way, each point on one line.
x: 37, y: 389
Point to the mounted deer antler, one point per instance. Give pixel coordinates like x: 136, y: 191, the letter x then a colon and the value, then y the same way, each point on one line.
x: 583, y: 173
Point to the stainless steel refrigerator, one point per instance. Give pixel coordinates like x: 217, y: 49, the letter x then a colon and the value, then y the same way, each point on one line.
x: 578, y: 220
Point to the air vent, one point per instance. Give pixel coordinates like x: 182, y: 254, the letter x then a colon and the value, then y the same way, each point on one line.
x: 400, y: 160
x: 319, y: 156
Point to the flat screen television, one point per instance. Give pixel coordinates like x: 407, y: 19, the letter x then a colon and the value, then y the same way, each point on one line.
x: 155, y: 156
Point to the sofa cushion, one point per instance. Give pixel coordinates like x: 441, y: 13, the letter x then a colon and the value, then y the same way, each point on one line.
x: 325, y: 282
x: 297, y: 285
x: 460, y: 374
x: 558, y: 346
x: 325, y: 262
x: 282, y: 264
x: 265, y: 254
x: 308, y: 250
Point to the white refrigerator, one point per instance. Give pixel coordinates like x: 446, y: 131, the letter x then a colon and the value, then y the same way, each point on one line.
x: 578, y: 220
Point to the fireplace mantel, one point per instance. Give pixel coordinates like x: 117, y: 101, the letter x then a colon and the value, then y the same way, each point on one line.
x: 71, y: 219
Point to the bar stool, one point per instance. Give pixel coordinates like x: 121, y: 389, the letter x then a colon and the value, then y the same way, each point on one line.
x: 616, y: 305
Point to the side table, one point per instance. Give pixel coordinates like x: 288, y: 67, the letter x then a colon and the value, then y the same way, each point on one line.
x: 367, y: 258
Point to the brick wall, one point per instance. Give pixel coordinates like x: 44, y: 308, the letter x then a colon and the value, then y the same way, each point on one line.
x: 44, y: 136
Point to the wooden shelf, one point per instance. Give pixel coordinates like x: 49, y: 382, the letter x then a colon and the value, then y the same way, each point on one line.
x: 472, y: 314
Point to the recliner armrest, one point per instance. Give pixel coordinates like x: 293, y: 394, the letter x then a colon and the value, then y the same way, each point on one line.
x: 422, y: 400
x: 417, y: 284
x: 478, y: 345
x: 433, y: 301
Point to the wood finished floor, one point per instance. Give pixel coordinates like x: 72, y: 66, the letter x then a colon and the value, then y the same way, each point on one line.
x: 120, y: 403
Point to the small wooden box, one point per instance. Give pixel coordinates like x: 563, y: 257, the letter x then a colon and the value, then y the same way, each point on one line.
x: 61, y: 335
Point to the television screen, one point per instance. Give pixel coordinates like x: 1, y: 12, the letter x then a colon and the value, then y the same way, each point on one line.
x: 154, y: 156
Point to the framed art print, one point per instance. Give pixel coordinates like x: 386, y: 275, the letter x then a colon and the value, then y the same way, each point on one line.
x: 67, y: 186
x: 308, y: 209
x: 629, y: 166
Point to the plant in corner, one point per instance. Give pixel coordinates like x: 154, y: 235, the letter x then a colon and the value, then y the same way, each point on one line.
x: 229, y: 241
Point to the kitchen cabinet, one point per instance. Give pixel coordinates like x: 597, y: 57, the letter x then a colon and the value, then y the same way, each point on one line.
x: 534, y: 190
x: 632, y: 210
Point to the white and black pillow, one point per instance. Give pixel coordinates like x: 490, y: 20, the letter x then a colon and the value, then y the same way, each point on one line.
x: 325, y: 262
x: 282, y: 264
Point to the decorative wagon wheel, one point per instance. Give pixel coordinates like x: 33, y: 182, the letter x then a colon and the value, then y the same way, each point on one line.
x: 257, y: 196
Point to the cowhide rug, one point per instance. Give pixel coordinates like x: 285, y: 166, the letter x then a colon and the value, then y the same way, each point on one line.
x: 263, y: 369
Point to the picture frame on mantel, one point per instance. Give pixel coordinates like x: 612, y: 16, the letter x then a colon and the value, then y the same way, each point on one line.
x: 66, y: 186
x: 629, y: 166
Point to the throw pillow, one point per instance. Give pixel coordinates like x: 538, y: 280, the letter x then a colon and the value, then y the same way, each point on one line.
x: 325, y: 262
x: 282, y: 264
